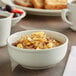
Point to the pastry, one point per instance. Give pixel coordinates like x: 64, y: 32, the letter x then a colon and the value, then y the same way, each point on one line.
x: 55, y: 4
x: 38, y: 3
x: 25, y: 3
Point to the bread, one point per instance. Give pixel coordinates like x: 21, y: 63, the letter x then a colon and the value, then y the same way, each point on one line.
x: 25, y: 3
x: 55, y: 4
x: 42, y: 4
x: 38, y: 3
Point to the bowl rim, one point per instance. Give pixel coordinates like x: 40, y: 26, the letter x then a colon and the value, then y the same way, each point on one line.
x: 6, y: 12
x: 36, y: 50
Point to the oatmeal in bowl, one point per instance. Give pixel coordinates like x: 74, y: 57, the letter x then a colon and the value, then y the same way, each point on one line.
x: 37, y: 49
x: 36, y: 40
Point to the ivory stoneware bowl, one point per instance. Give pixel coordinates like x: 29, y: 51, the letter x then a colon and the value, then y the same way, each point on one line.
x: 37, y: 59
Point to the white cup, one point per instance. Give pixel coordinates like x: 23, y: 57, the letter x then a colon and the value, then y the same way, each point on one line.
x: 5, y: 27
x: 71, y: 9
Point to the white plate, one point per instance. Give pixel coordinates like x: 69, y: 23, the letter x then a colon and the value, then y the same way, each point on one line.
x: 35, y: 11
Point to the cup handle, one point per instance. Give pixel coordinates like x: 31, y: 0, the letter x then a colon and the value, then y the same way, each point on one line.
x: 64, y: 14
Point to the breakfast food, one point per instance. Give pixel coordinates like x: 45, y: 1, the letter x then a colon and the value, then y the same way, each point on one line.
x: 37, y: 3
x: 42, y: 4
x: 25, y: 3
x: 36, y: 40
x: 55, y: 4
x: 16, y: 12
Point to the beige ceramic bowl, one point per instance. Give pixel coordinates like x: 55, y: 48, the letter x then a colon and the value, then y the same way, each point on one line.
x: 37, y: 59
